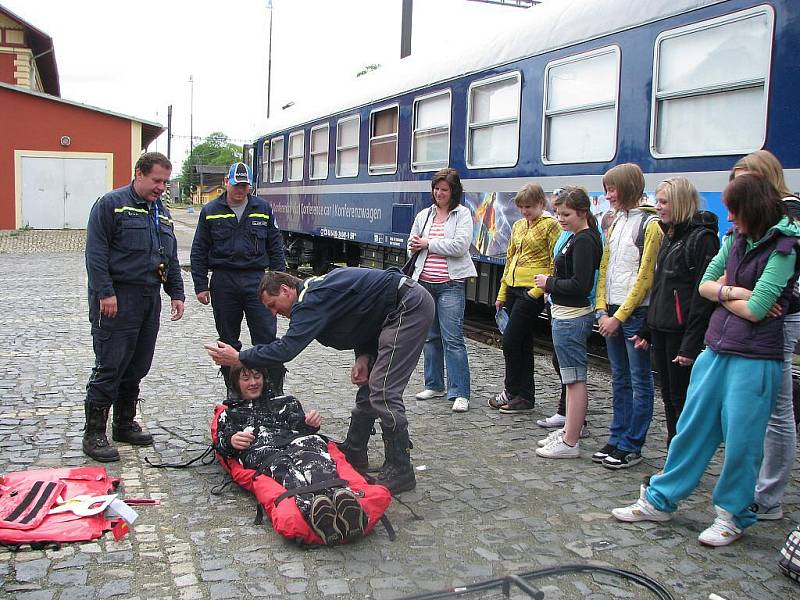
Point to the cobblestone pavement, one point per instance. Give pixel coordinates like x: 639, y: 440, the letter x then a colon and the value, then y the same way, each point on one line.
x: 489, y: 505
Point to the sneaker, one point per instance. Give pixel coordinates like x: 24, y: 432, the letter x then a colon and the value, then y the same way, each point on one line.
x: 619, y: 459
x: 558, y: 421
x: 351, y: 519
x: 516, y: 405
x: 767, y: 514
x: 551, y: 437
x: 499, y: 401
x: 323, y: 520
x: 427, y: 394
x: 601, y: 454
x: 641, y: 510
x: 460, y: 405
x: 723, y: 530
x: 560, y: 449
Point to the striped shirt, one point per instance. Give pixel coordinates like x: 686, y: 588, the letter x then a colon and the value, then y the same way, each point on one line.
x: 435, y: 268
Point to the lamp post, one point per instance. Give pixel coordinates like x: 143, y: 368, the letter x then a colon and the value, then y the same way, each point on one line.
x: 269, y: 57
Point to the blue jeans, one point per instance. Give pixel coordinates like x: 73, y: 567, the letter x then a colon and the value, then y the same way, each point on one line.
x: 631, y: 384
x: 445, y: 343
x: 781, y: 437
x: 569, y: 340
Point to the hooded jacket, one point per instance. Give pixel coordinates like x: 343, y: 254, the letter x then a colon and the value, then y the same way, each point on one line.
x: 675, y: 303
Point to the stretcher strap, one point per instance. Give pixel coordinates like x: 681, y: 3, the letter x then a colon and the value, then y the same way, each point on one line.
x: 314, y: 487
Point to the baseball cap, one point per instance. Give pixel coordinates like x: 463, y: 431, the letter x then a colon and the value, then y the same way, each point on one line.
x: 239, y: 173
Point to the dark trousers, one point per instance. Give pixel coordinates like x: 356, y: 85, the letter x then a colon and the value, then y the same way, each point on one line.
x: 674, y: 378
x: 399, y: 345
x: 234, y: 295
x: 123, y: 346
x: 518, y: 342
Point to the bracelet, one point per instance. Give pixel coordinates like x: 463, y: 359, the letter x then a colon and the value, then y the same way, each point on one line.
x: 719, y: 294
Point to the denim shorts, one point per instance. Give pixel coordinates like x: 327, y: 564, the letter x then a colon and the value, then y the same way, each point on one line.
x: 569, y: 341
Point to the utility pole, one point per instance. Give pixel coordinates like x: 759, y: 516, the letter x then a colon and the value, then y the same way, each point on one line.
x: 169, y: 131
x: 191, y: 116
x: 269, y: 57
x: 405, y: 28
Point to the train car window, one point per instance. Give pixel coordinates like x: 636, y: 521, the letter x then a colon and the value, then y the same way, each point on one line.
x: 580, y: 107
x: 347, y: 146
x: 276, y: 160
x: 710, y: 85
x: 430, y: 143
x: 265, y: 161
x: 493, y: 122
x: 297, y: 142
x: 318, y: 152
x: 383, y: 141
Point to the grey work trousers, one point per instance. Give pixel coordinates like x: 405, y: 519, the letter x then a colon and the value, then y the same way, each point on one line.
x: 399, y: 346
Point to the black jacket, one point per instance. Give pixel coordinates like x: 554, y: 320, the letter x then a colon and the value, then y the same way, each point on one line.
x: 575, y: 269
x: 221, y: 241
x: 123, y: 246
x: 676, y: 305
x: 344, y: 309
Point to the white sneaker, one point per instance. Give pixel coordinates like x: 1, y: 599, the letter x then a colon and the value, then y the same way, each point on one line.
x: 558, y: 421
x: 461, y: 405
x: 723, y: 530
x: 551, y: 437
x: 641, y: 510
x: 427, y: 394
x: 560, y: 449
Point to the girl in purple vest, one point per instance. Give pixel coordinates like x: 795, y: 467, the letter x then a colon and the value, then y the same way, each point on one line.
x: 736, y: 378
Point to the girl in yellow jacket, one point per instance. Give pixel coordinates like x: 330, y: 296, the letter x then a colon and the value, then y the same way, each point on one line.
x: 530, y: 253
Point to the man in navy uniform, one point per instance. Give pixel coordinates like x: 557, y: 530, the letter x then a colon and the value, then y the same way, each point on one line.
x: 131, y: 252
x: 383, y: 316
x: 237, y: 239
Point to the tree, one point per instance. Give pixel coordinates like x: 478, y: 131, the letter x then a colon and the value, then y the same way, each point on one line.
x: 214, y: 150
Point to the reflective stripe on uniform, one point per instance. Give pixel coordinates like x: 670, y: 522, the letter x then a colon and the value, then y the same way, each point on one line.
x: 167, y: 219
x: 307, y: 283
x: 222, y: 216
x: 262, y: 215
x: 132, y: 208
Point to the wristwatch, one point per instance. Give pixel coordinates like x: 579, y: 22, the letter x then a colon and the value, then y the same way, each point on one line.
x: 599, y: 313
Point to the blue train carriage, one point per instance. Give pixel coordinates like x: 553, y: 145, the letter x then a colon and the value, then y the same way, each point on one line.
x: 680, y: 87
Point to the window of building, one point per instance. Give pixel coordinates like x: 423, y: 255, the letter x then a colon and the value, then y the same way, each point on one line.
x: 710, y: 83
x: 318, y: 151
x: 383, y: 141
x: 580, y: 107
x: 265, y: 161
x: 347, y: 146
x: 296, y: 147
x: 276, y: 159
x: 493, y: 122
x: 430, y: 144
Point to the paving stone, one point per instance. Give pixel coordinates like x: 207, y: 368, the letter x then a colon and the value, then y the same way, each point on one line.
x: 79, y: 592
x: 32, y: 570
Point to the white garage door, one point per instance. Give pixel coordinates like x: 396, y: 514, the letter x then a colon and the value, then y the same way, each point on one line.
x: 57, y: 193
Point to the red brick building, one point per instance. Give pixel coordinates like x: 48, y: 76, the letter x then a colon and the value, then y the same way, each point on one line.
x: 56, y: 156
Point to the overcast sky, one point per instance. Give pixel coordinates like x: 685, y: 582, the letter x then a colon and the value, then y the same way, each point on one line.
x: 136, y: 57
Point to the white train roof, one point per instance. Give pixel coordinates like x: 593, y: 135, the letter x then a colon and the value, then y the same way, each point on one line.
x: 546, y: 27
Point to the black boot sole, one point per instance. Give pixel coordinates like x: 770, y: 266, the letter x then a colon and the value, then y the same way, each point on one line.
x: 103, y: 459
x: 132, y: 442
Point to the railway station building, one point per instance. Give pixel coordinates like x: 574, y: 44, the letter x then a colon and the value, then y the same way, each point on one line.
x: 57, y: 156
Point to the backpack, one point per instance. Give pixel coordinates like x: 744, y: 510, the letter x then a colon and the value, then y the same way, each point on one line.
x: 648, y: 217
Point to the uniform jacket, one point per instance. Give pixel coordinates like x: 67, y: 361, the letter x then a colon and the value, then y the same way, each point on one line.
x: 344, y: 309
x: 530, y: 253
x: 276, y: 421
x: 676, y: 305
x: 221, y: 241
x: 124, y: 246
x: 454, y: 246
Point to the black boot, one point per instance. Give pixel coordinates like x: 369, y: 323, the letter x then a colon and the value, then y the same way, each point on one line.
x: 398, y: 474
x: 354, y: 446
x: 95, y: 442
x: 124, y: 428
x: 230, y: 392
x: 276, y: 377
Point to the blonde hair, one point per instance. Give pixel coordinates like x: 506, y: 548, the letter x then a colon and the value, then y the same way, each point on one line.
x: 682, y: 197
x: 629, y: 183
x: 766, y: 164
x: 531, y: 193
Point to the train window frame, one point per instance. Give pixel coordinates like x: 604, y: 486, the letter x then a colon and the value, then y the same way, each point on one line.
x: 356, y: 147
x: 294, y: 157
x: 265, y: 148
x: 689, y: 29
x: 449, y: 93
x: 471, y: 126
x: 277, y: 141
x: 583, y: 108
x: 384, y: 169
x: 312, y: 153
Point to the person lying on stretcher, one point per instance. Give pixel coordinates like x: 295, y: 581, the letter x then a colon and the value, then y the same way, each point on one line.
x: 274, y: 436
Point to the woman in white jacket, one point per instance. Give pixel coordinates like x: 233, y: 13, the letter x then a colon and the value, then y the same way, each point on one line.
x: 442, y: 235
